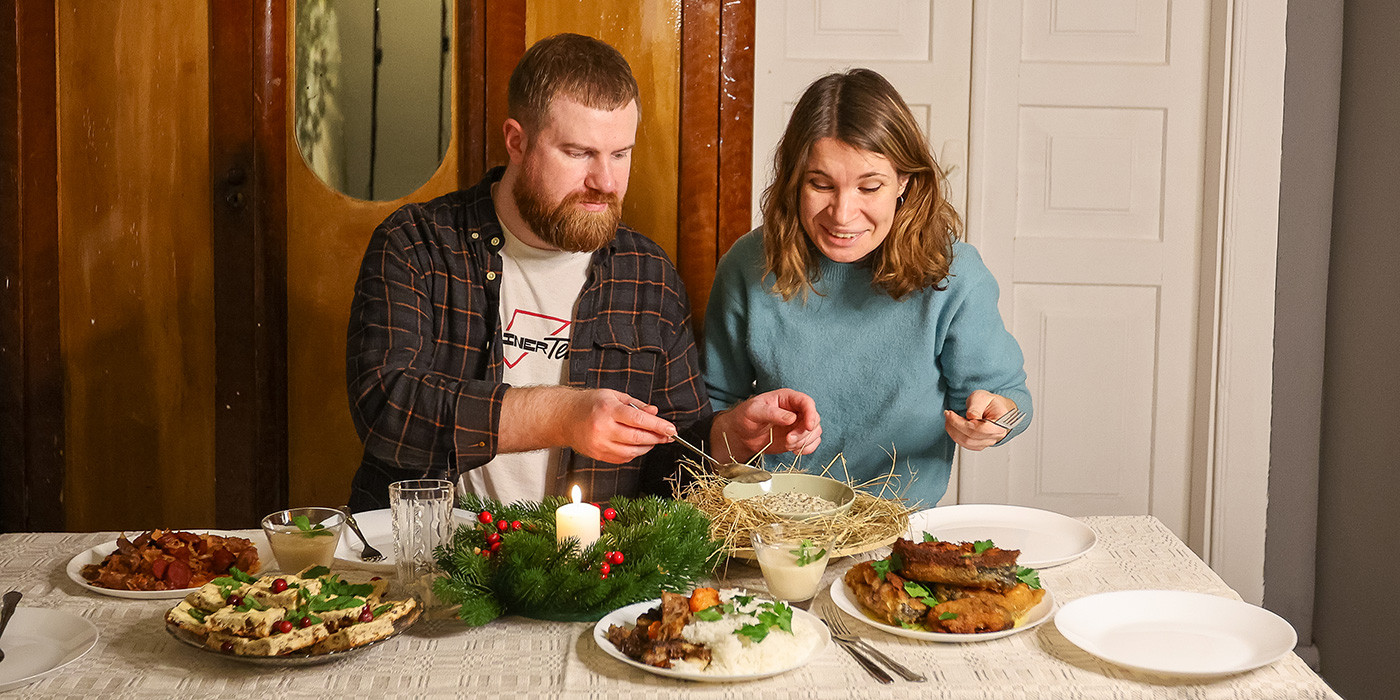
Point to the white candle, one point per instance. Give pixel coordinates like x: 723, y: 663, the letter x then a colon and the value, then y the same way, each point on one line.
x: 578, y: 520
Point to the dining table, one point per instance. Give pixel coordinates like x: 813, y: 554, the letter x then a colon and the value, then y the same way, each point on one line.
x: 516, y: 656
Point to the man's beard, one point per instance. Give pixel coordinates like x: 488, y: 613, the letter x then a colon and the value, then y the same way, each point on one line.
x: 568, y: 226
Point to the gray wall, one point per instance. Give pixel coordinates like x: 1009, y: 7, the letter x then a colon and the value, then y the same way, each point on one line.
x: 1358, y: 532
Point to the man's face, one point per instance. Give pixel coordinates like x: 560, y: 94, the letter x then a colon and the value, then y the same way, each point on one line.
x: 574, y: 174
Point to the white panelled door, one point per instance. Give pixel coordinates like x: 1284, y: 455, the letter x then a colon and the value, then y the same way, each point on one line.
x: 922, y: 47
x: 1086, y: 184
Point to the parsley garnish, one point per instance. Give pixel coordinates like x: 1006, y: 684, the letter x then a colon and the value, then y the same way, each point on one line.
x: 805, y: 555
x: 929, y: 538
x: 303, y: 524
x: 982, y: 545
x: 948, y: 616
x: 238, y: 575
x: 197, y: 614
x: 1028, y: 576
x: 710, y: 614
x: 924, y: 595
x: 315, y: 572
x: 383, y: 609
x: 250, y: 603
x: 769, y: 615
x: 881, y: 567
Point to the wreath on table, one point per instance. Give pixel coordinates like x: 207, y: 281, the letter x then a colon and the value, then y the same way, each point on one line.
x: 509, y: 562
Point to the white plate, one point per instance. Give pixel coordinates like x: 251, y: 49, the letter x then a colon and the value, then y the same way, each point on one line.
x: 847, y: 602
x: 100, y: 552
x: 379, y: 530
x: 1045, y: 539
x: 1176, y: 632
x: 627, y: 617
x: 39, y: 641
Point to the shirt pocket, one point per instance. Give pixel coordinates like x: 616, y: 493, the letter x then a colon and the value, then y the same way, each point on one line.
x: 629, y: 358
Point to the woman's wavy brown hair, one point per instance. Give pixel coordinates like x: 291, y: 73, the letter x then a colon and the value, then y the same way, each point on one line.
x: 861, y: 109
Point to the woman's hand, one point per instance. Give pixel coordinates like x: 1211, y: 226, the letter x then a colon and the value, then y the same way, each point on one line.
x: 782, y: 420
x: 976, y: 431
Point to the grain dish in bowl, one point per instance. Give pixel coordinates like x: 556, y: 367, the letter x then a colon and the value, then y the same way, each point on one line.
x: 795, y: 496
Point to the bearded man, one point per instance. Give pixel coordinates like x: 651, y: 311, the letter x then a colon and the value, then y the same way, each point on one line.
x: 516, y: 338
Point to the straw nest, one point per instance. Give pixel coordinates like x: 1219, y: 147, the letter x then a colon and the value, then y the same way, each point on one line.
x: 877, y: 517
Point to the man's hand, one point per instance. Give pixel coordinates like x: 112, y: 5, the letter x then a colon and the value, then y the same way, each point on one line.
x: 976, y: 432
x: 607, y: 425
x: 774, y: 422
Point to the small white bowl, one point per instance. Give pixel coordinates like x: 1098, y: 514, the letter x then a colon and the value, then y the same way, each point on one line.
x: 824, y: 487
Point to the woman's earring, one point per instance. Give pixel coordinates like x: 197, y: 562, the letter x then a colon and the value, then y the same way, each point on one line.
x: 899, y: 202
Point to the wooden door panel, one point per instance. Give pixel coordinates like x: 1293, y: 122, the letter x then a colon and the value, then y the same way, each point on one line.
x: 136, y: 263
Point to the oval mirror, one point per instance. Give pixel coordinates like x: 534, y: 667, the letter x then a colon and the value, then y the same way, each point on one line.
x: 373, y: 92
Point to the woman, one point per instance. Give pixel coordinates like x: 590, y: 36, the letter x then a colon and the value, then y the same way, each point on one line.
x: 857, y: 292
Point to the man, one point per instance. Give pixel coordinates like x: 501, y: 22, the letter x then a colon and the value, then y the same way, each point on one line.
x: 517, y: 336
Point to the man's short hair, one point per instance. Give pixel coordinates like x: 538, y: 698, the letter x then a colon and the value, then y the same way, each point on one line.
x: 581, y: 68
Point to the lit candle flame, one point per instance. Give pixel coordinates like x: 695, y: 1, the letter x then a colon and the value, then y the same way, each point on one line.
x: 578, y: 494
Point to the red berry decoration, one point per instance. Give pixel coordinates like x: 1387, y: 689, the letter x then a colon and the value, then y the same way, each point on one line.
x: 374, y: 578
x: 493, y: 537
x: 235, y: 600
x: 495, y: 545
x: 615, y: 558
x: 502, y: 525
x: 484, y: 518
x: 366, y: 615
x: 604, y: 569
x: 603, y: 575
x: 514, y: 525
x: 279, y: 585
x: 226, y: 647
x: 305, y: 622
x: 283, y: 626
x: 610, y: 514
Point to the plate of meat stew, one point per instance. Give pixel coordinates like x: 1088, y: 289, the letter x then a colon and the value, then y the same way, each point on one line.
x: 211, y: 554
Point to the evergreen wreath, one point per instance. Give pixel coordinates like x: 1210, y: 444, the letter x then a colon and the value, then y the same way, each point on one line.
x: 509, y: 561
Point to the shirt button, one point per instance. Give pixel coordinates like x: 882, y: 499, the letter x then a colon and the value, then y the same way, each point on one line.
x: 476, y: 236
x: 490, y: 275
x: 495, y: 241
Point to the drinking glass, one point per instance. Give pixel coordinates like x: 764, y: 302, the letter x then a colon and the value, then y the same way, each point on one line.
x: 792, y: 562
x: 421, y: 511
x: 303, y: 537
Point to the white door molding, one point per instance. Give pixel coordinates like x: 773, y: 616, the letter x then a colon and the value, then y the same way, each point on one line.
x: 1230, y: 498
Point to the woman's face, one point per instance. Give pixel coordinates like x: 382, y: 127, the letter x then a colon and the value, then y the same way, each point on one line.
x: 848, y: 199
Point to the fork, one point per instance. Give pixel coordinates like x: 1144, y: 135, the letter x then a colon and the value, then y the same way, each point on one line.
x: 1008, y: 420
x: 370, y: 554
x: 841, y: 633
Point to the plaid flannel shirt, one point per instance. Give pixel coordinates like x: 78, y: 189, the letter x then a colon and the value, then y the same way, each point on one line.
x: 424, y: 354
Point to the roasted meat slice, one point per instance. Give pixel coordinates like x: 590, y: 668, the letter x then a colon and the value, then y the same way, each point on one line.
x: 957, y: 563
x: 885, y: 598
x: 656, y: 639
x: 981, y: 610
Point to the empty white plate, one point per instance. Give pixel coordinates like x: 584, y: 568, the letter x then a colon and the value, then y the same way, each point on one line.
x: 1045, y: 538
x: 379, y: 530
x: 1176, y: 632
x: 39, y: 641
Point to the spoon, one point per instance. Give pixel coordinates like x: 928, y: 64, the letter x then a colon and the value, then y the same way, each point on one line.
x: 11, y: 600
x: 733, y: 471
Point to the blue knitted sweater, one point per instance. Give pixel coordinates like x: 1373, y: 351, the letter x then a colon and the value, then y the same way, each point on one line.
x: 881, y: 371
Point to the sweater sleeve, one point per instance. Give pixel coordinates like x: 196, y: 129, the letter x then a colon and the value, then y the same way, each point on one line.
x: 977, y: 351
x: 729, y: 370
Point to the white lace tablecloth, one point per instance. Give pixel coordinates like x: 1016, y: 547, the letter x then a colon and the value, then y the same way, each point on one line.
x: 518, y: 657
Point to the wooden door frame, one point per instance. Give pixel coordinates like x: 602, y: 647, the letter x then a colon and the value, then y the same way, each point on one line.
x: 31, y: 370
x: 713, y: 207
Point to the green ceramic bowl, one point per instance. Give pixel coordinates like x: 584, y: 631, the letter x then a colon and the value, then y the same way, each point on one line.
x: 830, y: 489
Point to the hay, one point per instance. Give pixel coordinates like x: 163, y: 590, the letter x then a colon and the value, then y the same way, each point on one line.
x: 877, y: 517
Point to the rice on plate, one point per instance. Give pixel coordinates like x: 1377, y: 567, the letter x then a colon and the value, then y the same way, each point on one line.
x: 749, y: 637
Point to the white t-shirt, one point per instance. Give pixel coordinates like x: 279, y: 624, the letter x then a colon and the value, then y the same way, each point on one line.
x: 539, y: 289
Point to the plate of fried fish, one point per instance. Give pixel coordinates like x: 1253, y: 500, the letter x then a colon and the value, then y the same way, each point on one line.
x: 945, y: 592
